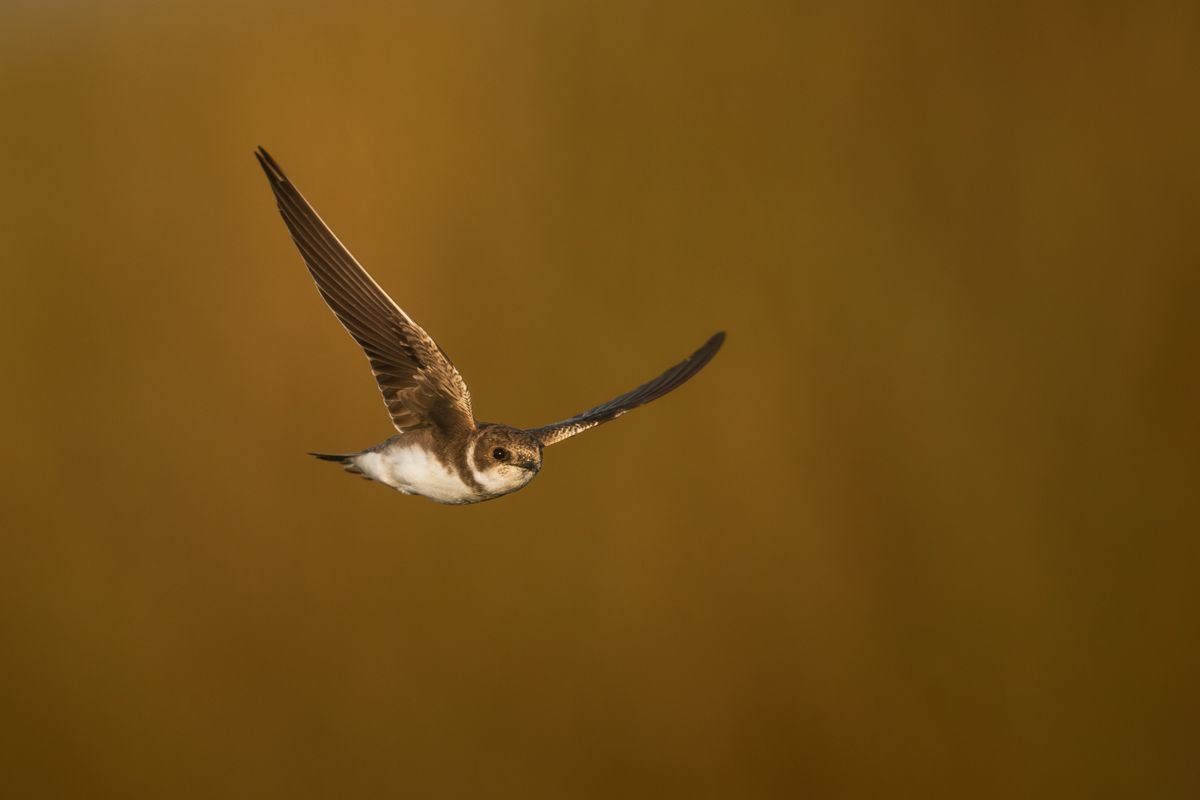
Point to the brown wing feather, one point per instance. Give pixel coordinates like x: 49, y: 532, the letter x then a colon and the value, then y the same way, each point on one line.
x: 672, y: 379
x: 419, y: 384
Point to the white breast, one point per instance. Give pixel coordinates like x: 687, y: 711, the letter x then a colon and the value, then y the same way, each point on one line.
x: 413, y: 470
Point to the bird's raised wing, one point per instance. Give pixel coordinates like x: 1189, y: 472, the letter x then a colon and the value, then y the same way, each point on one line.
x: 419, y: 384
x: 672, y: 379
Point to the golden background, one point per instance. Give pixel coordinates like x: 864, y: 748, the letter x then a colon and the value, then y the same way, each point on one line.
x: 926, y: 527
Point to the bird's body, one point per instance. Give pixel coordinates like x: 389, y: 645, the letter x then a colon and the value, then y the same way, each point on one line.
x: 442, y: 452
x: 451, y: 470
x: 415, y: 470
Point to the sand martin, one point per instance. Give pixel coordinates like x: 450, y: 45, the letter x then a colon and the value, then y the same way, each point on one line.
x: 442, y: 452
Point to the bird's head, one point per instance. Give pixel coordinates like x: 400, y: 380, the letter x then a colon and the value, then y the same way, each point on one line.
x: 505, y: 459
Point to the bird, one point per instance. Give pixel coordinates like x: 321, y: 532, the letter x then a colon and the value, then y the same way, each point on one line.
x: 441, y: 451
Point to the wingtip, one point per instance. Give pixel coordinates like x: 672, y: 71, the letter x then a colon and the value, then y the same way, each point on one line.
x: 713, y: 344
x: 269, y: 165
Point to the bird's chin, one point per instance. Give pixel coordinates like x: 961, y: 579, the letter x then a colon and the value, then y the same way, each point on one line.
x: 505, y: 479
x: 525, y: 475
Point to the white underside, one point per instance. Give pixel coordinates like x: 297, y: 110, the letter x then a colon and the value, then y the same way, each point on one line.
x: 413, y: 470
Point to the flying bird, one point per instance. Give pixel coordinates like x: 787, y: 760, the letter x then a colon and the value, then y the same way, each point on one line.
x: 441, y: 452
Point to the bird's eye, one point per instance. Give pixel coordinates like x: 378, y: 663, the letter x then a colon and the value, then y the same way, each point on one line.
x: 500, y: 454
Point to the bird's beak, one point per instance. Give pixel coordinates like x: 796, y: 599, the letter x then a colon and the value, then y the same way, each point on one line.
x: 532, y: 466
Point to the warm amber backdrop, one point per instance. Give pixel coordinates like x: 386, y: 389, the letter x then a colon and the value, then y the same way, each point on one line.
x: 927, y: 527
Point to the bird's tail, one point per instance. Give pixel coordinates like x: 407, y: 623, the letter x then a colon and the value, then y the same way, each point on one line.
x: 345, y: 459
x: 341, y: 459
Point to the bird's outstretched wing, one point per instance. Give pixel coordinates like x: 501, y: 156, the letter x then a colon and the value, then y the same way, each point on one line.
x: 419, y: 384
x: 672, y: 379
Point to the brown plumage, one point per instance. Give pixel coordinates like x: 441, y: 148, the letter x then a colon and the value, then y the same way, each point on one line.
x: 419, y: 384
x: 670, y: 380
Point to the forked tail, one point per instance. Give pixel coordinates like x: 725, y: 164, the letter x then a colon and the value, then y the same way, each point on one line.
x: 341, y: 459
x: 346, y: 460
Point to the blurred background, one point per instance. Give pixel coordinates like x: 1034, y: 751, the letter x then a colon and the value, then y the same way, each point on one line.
x: 926, y: 527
